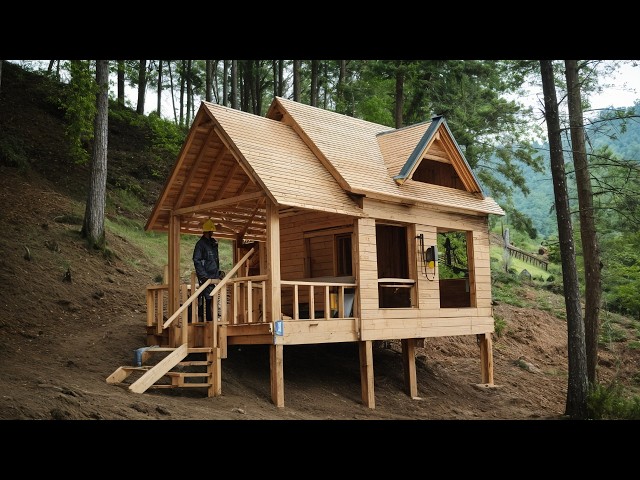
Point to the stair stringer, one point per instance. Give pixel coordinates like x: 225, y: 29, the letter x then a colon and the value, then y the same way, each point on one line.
x: 160, y: 369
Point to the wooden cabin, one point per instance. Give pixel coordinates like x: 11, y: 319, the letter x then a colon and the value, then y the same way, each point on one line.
x: 343, y: 230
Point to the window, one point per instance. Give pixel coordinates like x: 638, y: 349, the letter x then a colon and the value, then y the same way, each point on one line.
x: 455, y: 269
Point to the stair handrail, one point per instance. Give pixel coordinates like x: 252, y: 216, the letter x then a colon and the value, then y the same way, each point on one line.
x: 202, y: 287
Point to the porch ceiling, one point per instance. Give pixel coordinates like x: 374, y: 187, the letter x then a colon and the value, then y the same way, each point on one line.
x: 208, y: 182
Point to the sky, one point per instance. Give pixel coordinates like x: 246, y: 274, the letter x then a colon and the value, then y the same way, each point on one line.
x: 625, y: 90
x: 622, y: 91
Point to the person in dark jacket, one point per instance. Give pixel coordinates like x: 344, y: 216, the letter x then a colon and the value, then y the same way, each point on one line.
x: 207, y: 265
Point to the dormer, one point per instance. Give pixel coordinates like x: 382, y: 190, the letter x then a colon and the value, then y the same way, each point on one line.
x: 427, y: 153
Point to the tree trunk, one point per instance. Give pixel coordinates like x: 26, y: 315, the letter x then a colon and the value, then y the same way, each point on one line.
x: 93, y: 224
x: 399, y: 95
x: 576, y: 405
x: 296, y: 80
x: 189, y: 93
x: 234, y: 84
x: 160, y: 88
x: 588, y: 233
x: 121, y: 82
x: 181, y: 103
x: 314, y: 84
x: 208, y: 83
x: 142, y: 86
x: 342, y: 77
x: 225, y: 88
x: 173, y: 97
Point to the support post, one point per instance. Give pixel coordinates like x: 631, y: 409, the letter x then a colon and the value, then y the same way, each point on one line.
x: 409, y: 366
x: 486, y: 357
x: 366, y: 373
x: 276, y: 364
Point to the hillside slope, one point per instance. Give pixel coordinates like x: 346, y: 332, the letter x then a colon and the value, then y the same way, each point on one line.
x: 71, y: 316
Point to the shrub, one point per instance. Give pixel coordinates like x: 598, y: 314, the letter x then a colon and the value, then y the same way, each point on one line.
x: 609, y: 403
x: 499, y: 324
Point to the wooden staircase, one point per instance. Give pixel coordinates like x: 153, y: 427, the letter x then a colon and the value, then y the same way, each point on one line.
x: 177, y: 369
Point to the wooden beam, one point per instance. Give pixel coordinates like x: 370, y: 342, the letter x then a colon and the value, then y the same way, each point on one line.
x: 366, y: 373
x: 251, y: 219
x: 215, y: 372
x: 219, y: 203
x: 212, y: 172
x: 409, y: 366
x: 274, y: 307
x: 200, y: 117
x: 193, y: 170
x: 226, y: 181
x: 486, y: 357
x: 276, y: 364
x: 173, y: 242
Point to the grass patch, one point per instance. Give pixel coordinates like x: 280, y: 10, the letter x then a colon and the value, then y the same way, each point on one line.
x: 517, y: 265
x: 154, y: 246
x: 608, y: 402
x: 499, y: 324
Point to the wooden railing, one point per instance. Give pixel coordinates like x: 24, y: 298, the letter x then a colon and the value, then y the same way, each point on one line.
x: 334, y: 303
x: 157, y: 299
x: 527, y: 257
x: 241, y: 300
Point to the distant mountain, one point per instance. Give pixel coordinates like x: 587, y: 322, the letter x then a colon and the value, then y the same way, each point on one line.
x: 624, y: 141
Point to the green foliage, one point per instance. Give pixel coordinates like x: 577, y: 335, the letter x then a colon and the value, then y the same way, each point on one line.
x: 608, y: 402
x: 621, y: 277
x: 167, y: 137
x: 453, y: 261
x: 125, y: 200
x: 154, y: 246
x: 12, y: 153
x: 499, y: 324
x: 611, y: 333
x: 80, y: 108
x: 506, y: 288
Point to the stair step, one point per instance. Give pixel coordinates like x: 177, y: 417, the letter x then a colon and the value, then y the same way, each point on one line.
x: 187, y: 374
x: 184, y: 385
x: 195, y: 363
x: 200, y: 350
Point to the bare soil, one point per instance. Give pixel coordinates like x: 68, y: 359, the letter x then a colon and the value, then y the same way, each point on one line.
x: 71, y: 316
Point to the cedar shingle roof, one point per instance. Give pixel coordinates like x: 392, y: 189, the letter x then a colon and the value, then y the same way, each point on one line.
x: 364, y: 157
x: 303, y: 157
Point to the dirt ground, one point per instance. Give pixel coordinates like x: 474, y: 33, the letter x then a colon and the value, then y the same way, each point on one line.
x: 71, y: 317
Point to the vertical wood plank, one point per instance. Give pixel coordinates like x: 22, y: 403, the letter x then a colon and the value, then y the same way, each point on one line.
x: 366, y: 373
x: 486, y: 357
x: 276, y: 364
x: 409, y: 366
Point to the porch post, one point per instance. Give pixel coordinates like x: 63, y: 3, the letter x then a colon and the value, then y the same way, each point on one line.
x: 409, y: 366
x: 173, y: 241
